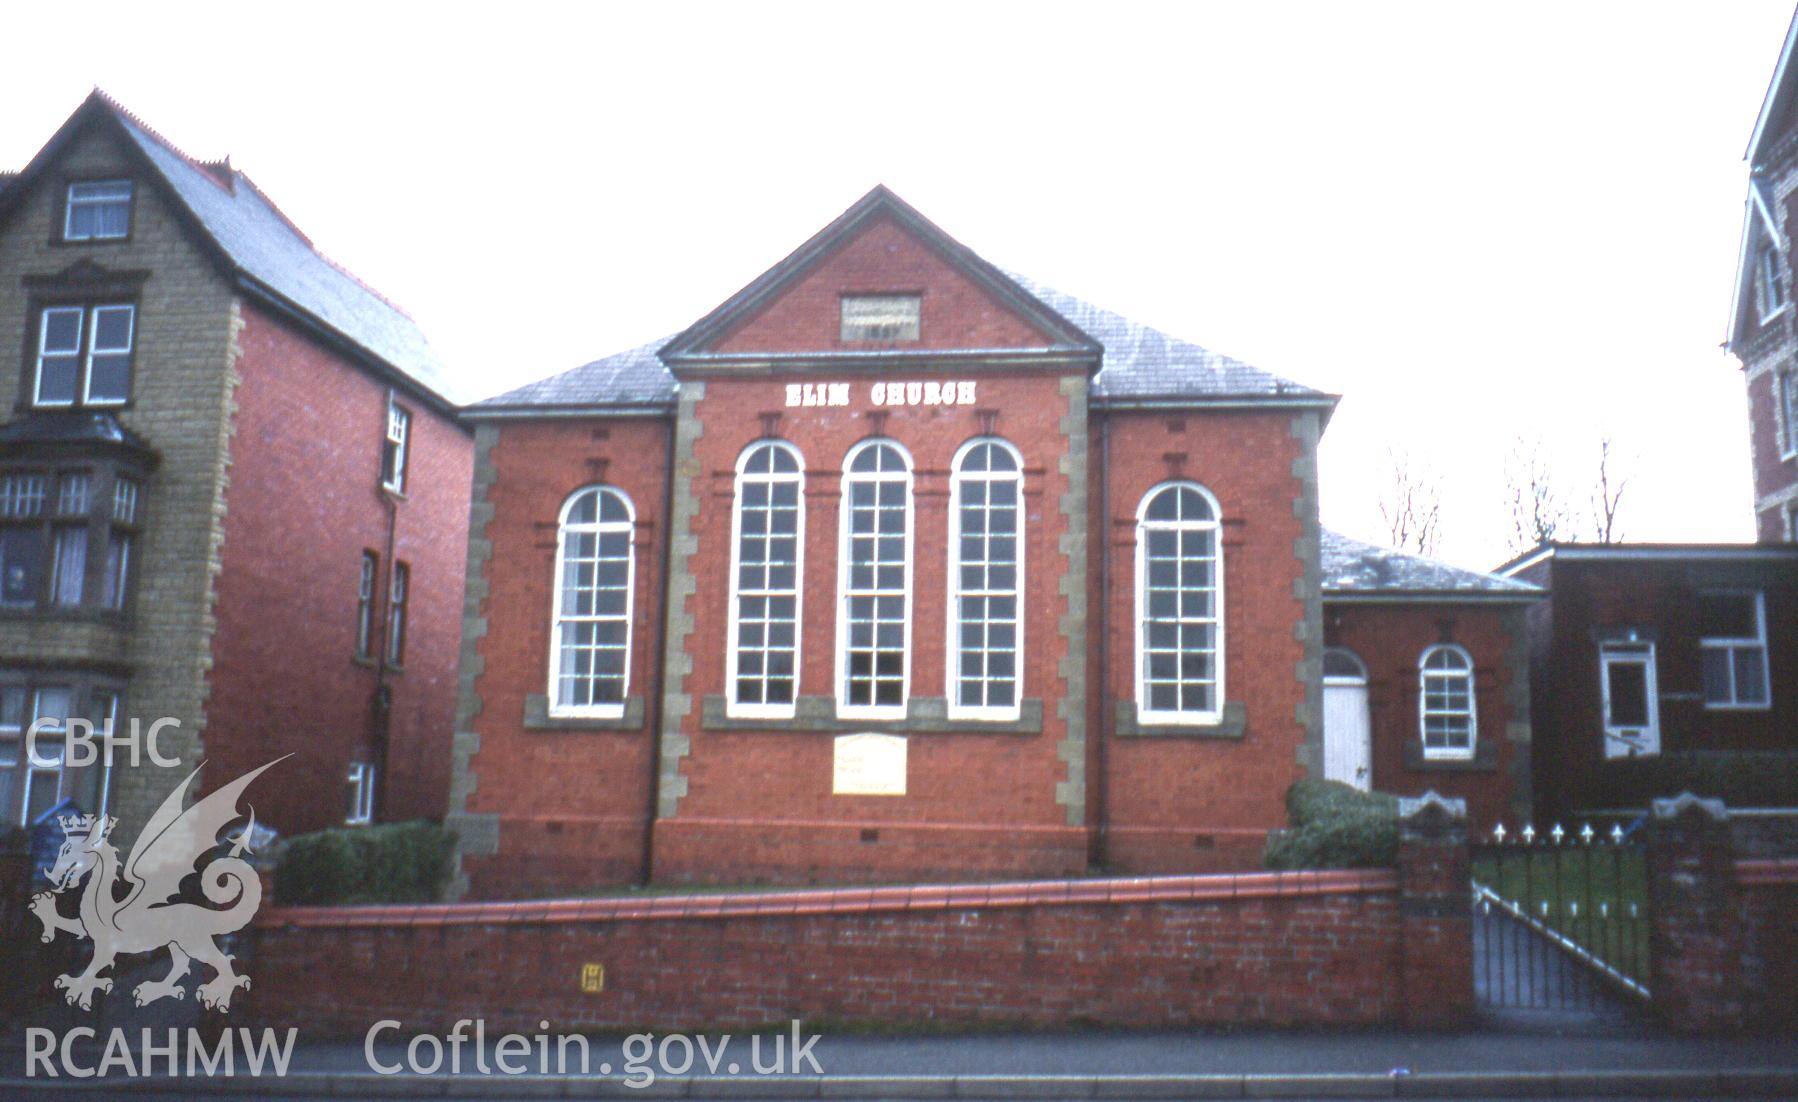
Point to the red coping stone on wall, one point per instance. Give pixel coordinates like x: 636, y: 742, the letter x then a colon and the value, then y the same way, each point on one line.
x: 850, y: 901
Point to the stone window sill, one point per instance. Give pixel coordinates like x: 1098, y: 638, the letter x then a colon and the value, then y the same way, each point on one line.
x: 1484, y: 760
x: 537, y: 717
x: 923, y: 715
x: 1233, y: 725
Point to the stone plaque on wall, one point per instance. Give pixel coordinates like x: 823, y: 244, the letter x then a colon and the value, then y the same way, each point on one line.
x: 869, y: 765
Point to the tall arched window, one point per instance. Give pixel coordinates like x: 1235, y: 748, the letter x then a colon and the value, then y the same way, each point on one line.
x: 874, y: 576
x: 591, y: 640
x: 986, y: 567
x: 1179, y: 606
x: 769, y: 527
x: 1445, y: 703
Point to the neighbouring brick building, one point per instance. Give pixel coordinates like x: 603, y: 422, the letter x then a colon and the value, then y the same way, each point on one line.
x: 898, y: 565
x: 1654, y: 665
x: 1762, y: 331
x: 232, y: 494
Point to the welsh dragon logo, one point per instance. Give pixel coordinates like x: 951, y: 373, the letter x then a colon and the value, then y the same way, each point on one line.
x: 149, y: 916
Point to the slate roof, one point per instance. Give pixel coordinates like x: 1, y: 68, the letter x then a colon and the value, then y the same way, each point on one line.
x: 635, y: 378
x: 1144, y: 364
x: 269, y: 254
x: 1140, y: 364
x: 260, y: 241
x: 1355, y: 569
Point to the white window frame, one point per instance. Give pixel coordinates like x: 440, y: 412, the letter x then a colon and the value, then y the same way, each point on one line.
x: 1771, y: 266
x: 1758, y: 641
x: 87, y: 332
x: 1627, y: 741
x: 106, y: 722
x: 399, y: 435
x: 72, y: 201
x: 612, y: 709
x: 1785, y: 399
x: 1424, y: 673
x: 34, y: 720
x: 362, y: 776
x: 844, y: 592
x: 399, y: 607
x: 1146, y: 715
x: 952, y: 651
x: 763, y: 710
x: 365, y: 605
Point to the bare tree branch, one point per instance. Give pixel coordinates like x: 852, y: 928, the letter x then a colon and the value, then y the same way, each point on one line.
x: 1607, y: 496
x: 1411, y: 505
x: 1538, y: 514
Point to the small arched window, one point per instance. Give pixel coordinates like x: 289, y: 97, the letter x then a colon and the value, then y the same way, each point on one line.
x: 1343, y: 666
x: 595, y: 568
x: 986, y: 568
x: 1179, y: 606
x: 874, y: 576
x: 765, y: 570
x: 1445, y: 701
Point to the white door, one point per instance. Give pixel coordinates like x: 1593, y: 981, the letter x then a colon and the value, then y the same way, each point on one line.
x: 1348, y: 749
x: 1630, y: 698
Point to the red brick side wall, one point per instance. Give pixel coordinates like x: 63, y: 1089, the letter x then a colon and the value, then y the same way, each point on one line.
x: 1771, y: 472
x: 1267, y: 949
x: 302, y: 505
x: 1184, y: 803
x: 1389, y: 639
x: 1769, y: 910
x: 759, y: 804
x: 572, y: 803
x: 1662, y: 598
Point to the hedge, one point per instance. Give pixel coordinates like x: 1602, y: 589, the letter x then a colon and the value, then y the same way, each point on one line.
x: 1335, y: 826
x: 393, y: 863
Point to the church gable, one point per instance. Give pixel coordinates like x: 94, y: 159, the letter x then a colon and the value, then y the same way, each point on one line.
x: 881, y: 279
x: 863, y: 297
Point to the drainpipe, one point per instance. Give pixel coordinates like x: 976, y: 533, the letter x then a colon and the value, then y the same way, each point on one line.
x: 383, y: 698
x: 660, y: 663
x: 1102, y: 782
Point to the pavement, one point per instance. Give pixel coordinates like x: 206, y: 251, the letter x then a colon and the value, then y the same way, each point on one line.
x: 1526, y: 1054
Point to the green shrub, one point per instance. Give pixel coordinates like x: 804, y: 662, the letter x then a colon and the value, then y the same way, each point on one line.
x: 394, y: 863
x: 1334, y: 826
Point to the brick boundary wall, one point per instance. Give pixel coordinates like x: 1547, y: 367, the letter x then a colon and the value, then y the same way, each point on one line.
x: 1343, y: 948
x: 1277, y: 948
x: 1724, y: 928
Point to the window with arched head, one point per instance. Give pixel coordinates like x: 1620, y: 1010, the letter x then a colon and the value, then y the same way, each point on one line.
x: 986, y: 577
x: 590, y: 641
x: 1447, y: 718
x: 1179, y: 606
x: 766, y: 557
x: 874, y: 580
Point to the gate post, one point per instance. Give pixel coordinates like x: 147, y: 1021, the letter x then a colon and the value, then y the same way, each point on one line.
x: 1435, y: 909
x: 1695, y: 940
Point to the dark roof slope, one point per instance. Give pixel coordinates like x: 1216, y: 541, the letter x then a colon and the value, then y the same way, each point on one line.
x: 267, y: 253
x: 1355, y: 569
x: 1144, y: 364
x: 1140, y: 364
x: 260, y: 241
x: 633, y: 379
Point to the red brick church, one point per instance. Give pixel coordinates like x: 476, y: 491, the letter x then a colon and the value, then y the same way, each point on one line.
x: 898, y: 566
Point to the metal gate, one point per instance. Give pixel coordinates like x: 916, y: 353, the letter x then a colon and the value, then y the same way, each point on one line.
x: 1560, y: 919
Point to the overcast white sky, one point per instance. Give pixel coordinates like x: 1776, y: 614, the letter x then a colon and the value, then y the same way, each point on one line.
x: 1472, y: 221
